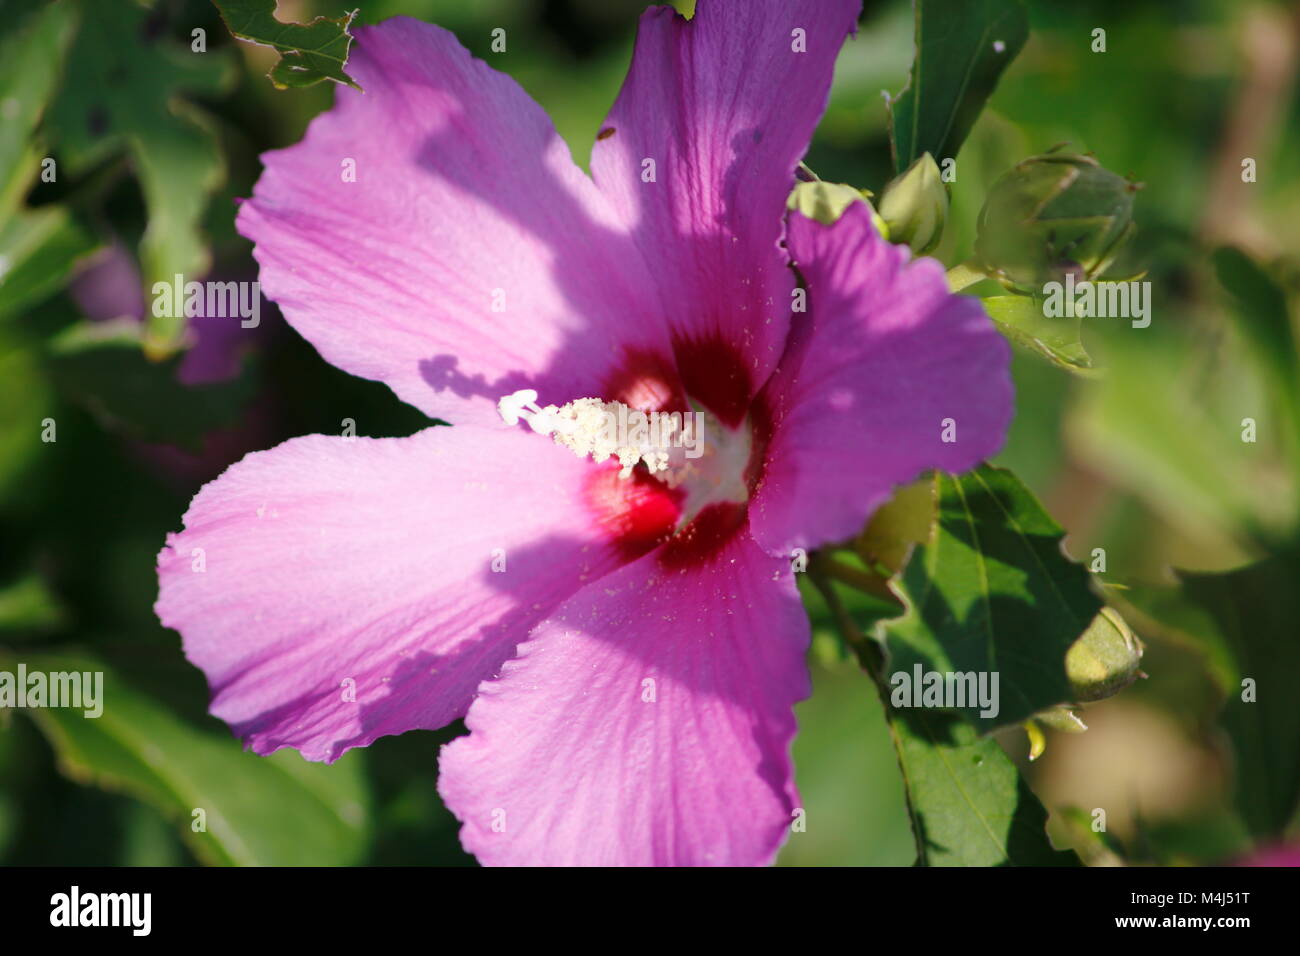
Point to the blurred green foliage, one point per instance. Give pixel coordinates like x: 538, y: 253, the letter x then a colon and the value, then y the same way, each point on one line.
x: 1146, y: 461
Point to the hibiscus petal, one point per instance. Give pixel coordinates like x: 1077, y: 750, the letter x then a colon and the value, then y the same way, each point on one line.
x: 408, y: 566
x: 465, y: 199
x: 647, y: 722
x: 882, y: 357
x: 724, y: 105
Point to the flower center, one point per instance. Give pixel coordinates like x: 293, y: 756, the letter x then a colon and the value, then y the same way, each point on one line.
x: 690, y: 452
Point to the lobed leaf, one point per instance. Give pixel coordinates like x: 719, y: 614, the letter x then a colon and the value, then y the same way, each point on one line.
x: 309, y: 52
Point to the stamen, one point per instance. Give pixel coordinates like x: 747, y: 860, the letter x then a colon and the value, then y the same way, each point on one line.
x: 590, y: 427
x: 523, y: 404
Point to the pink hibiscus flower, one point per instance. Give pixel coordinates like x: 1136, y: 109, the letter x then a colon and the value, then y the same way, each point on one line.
x: 626, y: 651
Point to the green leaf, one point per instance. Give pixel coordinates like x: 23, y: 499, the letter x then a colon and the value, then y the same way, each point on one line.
x: 309, y: 52
x: 1256, y: 609
x: 1265, y: 323
x: 121, y: 93
x: 276, y: 810
x: 103, y: 366
x: 1262, y: 308
x: 26, y: 402
x: 1172, y: 434
x: 1097, y: 847
x: 31, y: 60
x: 991, y: 590
x: 1020, y: 318
x: 37, y: 248
x: 968, y: 803
x: 962, y: 47
x: 27, y: 606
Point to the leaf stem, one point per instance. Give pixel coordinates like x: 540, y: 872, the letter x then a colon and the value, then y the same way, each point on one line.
x: 866, y: 650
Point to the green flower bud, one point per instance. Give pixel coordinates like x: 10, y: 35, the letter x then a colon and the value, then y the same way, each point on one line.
x: 1054, y: 214
x: 915, y: 205
x: 1104, y: 660
x: 1101, y: 663
x: 826, y: 202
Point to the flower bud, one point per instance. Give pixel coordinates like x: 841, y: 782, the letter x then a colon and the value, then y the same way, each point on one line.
x: 825, y: 202
x: 1054, y: 214
x: 915, y: 205
x: 1104, y: 660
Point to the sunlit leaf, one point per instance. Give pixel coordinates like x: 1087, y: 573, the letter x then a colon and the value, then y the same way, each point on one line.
x: 31, y: 60
x: 991, y: 591
x: 309, y: 52
x: 277, y: 810
x: 38, y: 248
x: 1020, y: 318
